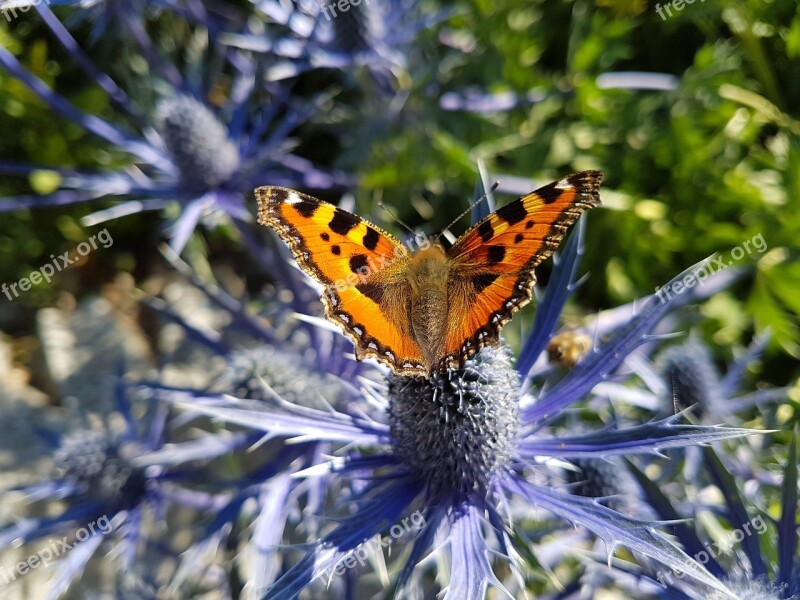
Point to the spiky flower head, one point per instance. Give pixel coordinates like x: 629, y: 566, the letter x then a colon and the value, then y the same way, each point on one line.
x: 751, y: 590
x: 197, y: 142
x: 94, y: 462
x: 264, y: 372
x: 689, y: 371
x: 456, y: 430
x: 456, y: 447
x: 353, y: 30
x: 604, y: 478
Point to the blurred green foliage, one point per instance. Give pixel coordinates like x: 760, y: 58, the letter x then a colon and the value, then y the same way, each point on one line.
x: 690, y: 172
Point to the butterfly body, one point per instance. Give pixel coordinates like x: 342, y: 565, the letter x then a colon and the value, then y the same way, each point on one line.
x: 428, y: 274
x: 418, y: 307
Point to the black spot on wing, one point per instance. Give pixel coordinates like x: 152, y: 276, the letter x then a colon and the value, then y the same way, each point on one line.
x: 529, y: 224
x: 342, y: 222
x: 550, y: 193
x: 306, y: 207
x: 481, y: 282
x: 485, y: 231
x: 324, y: 236
x: 336, y: 249
x: 512, y: 213
x: 371, y: 239
x: 278, y: 194
x: 372, y: 291
x: 358, y: 261
x: 518, y: 238
x: 496, y: 253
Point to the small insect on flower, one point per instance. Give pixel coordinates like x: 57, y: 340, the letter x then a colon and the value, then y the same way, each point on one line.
x: 568, y: 348
x: 426, y: 312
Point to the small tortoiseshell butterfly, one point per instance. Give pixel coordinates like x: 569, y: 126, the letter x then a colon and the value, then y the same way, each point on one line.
x: 430, y: 310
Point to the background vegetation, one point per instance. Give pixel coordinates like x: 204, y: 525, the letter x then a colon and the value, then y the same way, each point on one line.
x: 690, y: 171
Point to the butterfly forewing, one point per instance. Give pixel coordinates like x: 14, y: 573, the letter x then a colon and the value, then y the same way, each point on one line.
x: 361, y: 267
x: 492, y: 264
x: 329, y: 243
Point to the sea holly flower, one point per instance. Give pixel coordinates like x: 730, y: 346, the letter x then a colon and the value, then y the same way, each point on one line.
x: 691, y: 379
x: 301, y: 364
x: 458, y: 446
x: 108, y: 489
x: 754, y: 554
x: 684, y: 375
x: 308, y: 35
x: 203, y: 158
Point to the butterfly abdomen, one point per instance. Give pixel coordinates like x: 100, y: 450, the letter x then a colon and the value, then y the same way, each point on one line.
x: 427, y: 278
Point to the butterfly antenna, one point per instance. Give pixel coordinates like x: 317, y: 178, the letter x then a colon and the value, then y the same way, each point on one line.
x: 471, y: 206
x: 395, y: 217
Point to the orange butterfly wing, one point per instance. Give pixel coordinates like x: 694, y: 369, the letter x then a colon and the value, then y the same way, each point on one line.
x: 361, y: 267
x: 491, y: 275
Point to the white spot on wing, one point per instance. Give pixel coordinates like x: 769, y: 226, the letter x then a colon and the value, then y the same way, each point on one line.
x: 293, y: 198
x: 563, y: 184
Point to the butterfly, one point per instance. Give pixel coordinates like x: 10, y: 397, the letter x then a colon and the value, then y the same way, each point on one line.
x: 426, y: 309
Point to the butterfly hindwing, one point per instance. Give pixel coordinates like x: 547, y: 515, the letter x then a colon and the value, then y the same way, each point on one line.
x: 361, y: 267
x: 492, y: 270
x: 378, y: 328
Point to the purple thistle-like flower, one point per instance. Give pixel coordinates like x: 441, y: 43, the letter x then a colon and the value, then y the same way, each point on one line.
x: 743, y: 551
x: 308, y: 35
x: 457, y: 447
x: 455, y: 434
x: 107, y: 484
x: 300, y: 364
x: 205, y: 158
x: 692, y: 379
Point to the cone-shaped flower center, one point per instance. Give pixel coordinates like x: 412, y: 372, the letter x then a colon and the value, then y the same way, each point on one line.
x: 455, y: 430
x: 197, y: 142
x: 690, y: 375
x: 599, y: 478
x: 92, y: 461
x: 256, y: 373
x: 751, y: 590
x: 353, y: 29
